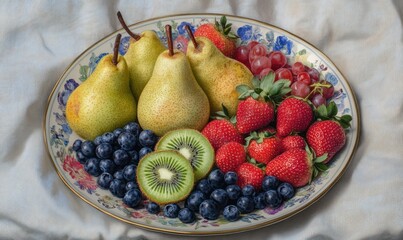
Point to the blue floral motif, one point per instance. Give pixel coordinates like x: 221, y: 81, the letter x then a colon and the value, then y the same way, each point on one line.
x: 283, y: 44
x: 182, y: 30
x: 70, y: 85
x: 124, y: 45
x: 331, y: 78
x: 62, y: 96
x: 245, y: 32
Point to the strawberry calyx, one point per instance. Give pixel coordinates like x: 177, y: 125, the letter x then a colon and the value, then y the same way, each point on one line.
x: 267, y: 89
x: 225, y: 28
x: 258, y: 136
x: 318, y: 164
x: 329, y: 112
x: 224, y: 114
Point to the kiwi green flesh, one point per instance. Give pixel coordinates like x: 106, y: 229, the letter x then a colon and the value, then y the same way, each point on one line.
x: 193, y: 146
x: 165, y: 177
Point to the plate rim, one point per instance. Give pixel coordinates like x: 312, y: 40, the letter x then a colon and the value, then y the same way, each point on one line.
x: 207, y: 233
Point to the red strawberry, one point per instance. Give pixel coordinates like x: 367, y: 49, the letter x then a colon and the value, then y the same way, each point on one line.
x: 263, y: 147
x: 220, y: 34
x: 293, y: 115
x: 295, y: 166
x: 230, y: 156
x: 293, y: 141
x: 253, y: 114
x: 221, y: 131
x: 326, y: 136
x: 249, y: 174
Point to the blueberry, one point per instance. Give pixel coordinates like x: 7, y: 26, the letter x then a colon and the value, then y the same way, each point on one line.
x: 117, y: 132
x: 269, y: 183
x: 119, y: 175
x: 245, y: 204
x: 121, y: 158
x: 132, y: 127
x: 131, y: 185
x: 194, y: 200
x: 117, y: 187
x: 77, y: 145
x: 286, y: 191
x: 132, y: 198
x: 129, y: 172
x: 205, y: 187
x: 231, y: 213
x: 147, y: 138
x: 260, y: 201
x: 108, y: 137
x: 134, y: 156
x: 88, y: 148
x: 230, y: 178
x: 144, y: 151
x: 220, y: 196
x: 92, y: 167
x: 104, y: 150
x: 153, y: 208
x: 81, y: 157
x: 233, y: 191
x: 98, y: 140
x: 107, y: 165
x: 209, y: 209
x: 104, y: 180
x: 127, y: 141
x: 186, y: 215
x: 171, y: 210
x: 216, y: 179
x: 248, y: 191
x: 273, y: 200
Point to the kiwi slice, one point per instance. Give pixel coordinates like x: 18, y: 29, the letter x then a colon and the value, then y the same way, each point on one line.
x: 193, y: 146
x: 165, y: 177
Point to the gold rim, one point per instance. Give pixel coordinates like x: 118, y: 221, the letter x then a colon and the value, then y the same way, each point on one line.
x: 231, y: 231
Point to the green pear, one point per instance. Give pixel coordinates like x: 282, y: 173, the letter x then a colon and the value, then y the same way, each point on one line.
x: 141, y: 56
x: 103, y: 102
x: 172, y: 98
x: 217, y: 74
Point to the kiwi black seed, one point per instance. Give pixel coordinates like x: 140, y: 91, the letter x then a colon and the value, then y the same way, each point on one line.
x: 165, y: 177
x: 193, y: 146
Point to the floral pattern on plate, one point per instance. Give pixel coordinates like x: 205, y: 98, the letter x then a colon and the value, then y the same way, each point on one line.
x: 59, y: 136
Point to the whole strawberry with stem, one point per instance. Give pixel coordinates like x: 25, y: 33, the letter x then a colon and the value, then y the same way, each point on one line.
x: 327, y: 135
x: 222, y: 130
x: 220, y: 34
x: 256, y: 109
x: 263, y: 147
x: 294, y: 115
x: 296, y: 166
x: 230, y: 156
x: 250, y: 174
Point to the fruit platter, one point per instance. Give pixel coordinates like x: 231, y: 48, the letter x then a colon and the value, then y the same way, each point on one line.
x: 201, y: 124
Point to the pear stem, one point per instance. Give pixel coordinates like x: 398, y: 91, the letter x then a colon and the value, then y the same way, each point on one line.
x: 168, y: 30
x: 124, y: 25
x: 192, y: 37
x: 116, y: 49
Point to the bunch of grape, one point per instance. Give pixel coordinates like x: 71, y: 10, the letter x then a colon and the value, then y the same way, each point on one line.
x: 305, y: 81
x: 113, y: 158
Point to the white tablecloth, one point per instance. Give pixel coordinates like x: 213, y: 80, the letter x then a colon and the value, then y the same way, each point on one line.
x: 39, y: 39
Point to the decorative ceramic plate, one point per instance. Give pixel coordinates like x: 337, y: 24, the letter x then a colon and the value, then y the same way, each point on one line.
x: 59, y: 137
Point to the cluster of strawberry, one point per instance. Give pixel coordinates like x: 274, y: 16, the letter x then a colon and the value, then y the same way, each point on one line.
x: 275, y: 133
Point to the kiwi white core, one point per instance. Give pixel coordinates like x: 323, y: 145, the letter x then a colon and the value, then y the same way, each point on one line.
x: 165, y: 174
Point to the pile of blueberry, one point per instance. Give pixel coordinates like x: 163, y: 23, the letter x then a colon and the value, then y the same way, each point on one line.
x: 113, y: 158
x: 218, y: 193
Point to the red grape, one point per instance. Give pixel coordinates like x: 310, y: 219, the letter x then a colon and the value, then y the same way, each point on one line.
x: 242, y: 55
x: 297, y: 67
x: 277, y: 60
x: 314, y: 74
x: 264, y: 72
x: 304, y: 77
x: 300, y: 89
x: 251, y: 44
x: 283, y: 73
x: 318, y: 99
x: 259, y: 64
x: 327, y: 91
x: 259, y: 50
